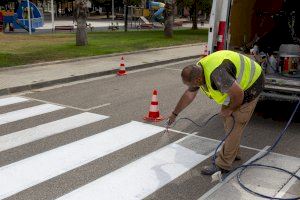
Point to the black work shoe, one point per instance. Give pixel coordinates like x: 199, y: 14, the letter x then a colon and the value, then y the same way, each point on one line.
x: 210, y: 170
x: 238, y: 158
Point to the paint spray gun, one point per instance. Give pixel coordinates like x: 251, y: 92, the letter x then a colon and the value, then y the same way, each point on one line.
x: 167, y: 126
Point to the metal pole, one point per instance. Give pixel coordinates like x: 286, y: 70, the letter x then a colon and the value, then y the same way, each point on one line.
x: 113, y: 9
x: 126, y: 17
x: 29, y: 17
x: 52, y: 14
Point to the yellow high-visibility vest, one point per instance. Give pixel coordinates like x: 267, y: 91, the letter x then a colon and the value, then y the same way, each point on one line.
x: 247, y: 72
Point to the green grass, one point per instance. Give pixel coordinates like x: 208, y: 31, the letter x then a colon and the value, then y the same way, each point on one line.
x: 23, y: 49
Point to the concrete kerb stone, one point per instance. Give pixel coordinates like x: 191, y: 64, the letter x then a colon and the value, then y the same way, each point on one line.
x: 96, y: 57
x: 7, y: 91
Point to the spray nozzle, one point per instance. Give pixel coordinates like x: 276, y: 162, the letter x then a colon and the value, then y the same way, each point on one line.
x: 166, y: 125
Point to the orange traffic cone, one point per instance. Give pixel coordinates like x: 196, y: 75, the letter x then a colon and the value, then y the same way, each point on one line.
x: 122, y: 70
x: 154, y: 114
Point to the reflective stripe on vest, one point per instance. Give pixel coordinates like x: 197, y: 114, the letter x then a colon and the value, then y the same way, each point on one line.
x: 242, y: 69
x: 247, y: 72
x: 252, y: 72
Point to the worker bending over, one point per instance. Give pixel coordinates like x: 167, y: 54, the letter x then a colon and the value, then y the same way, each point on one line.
x: 233, y: 81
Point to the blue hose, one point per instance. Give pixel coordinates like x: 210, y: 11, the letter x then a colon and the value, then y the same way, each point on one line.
x: 252, y: 163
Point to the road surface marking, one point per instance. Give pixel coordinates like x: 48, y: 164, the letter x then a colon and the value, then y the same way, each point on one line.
x: 233, y: 174
x: 31, y: 171
x: 289, y: 184
x: 72, y: 107
x: 100, y: 106
x: 214, y: 140
x: 45, y: 130
x: 104, y: 77
x: 11, y: 100
x: 28, y: 112
x: 174, y: 69
x: 140, y: 178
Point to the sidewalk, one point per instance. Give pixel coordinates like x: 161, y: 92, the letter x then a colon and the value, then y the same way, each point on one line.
x: 22, y: 78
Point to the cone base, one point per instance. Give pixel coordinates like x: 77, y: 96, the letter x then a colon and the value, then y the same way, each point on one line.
x: 151, y: 119
x: 121, y: 73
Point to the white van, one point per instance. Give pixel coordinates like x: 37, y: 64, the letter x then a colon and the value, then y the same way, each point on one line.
x: 267, y: 30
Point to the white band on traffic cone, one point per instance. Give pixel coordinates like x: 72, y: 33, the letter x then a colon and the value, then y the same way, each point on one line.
x: 153, y: 108
x: 154, y: 98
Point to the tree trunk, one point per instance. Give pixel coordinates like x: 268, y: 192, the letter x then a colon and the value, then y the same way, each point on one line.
x: 107, y: 11
x: 80, y: 16
x: 195, y: 16
x: 169, y: 19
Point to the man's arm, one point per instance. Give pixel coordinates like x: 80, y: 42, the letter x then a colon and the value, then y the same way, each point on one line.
x: 236, y: 95
x: 186, y: 99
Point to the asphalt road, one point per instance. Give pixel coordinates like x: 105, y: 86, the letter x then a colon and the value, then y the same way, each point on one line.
x: 126, y: 99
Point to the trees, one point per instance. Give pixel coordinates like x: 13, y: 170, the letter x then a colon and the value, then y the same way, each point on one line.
x: 80, y: 16
x: 195, y: 6
x: 169, y: 18
x: 107, y: 4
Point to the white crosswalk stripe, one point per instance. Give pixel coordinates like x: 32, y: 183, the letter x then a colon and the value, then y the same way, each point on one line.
x: 36, y: 169
x: 142, y: 177
x: 28, y: 112
x: 11, y: 100
x: 45, y: 130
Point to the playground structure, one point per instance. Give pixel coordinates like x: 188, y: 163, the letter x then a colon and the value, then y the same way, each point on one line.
x: 157, y: 8
x: 149, y: 17
x: 20, y: 19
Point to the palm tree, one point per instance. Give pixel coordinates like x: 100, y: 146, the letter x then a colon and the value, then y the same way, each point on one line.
x: 80, y: 16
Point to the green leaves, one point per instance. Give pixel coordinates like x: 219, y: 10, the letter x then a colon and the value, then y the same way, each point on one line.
x: 204, y: 5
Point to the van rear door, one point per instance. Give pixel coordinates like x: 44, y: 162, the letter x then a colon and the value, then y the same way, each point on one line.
x: 218, y: 25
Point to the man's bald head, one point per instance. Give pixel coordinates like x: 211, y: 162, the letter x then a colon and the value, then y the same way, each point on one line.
x: 192, y: 74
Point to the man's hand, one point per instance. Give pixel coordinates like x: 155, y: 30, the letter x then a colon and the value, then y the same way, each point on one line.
x: 236, y: 95
x: 171, y: 120
x: 226, y: 112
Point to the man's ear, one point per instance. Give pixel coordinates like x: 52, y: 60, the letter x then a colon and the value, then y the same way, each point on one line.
x: 198, y: 81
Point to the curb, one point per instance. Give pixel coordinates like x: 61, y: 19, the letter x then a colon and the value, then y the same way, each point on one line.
x: 96, y: 57
x: 7, y: 91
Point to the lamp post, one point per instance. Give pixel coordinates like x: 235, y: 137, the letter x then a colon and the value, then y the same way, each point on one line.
x: 52, y: 14
x: 113, y: 9
x: 29, y: 17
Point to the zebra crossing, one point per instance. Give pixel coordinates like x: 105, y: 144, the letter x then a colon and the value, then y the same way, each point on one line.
x: 136, y: 179
x: 150, y: 172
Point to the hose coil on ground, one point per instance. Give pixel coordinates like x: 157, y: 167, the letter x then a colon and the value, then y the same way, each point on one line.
x: 252, y: 163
